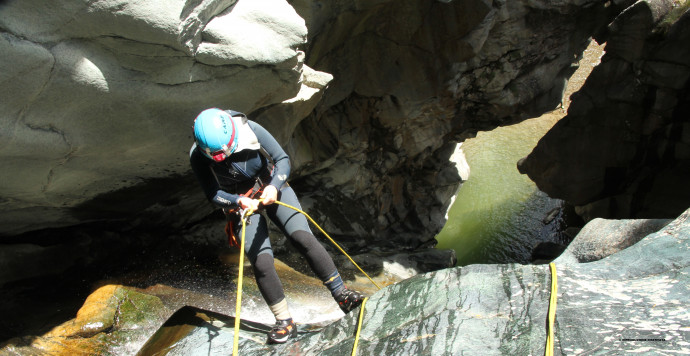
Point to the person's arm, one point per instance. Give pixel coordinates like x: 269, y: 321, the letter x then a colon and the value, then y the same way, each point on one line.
x: 212, y: 191
x: 281, y: 161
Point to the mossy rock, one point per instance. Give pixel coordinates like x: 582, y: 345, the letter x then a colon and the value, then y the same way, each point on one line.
x: 112, y: 316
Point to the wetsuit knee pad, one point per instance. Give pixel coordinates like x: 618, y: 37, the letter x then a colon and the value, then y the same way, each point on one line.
x: 263, y: 265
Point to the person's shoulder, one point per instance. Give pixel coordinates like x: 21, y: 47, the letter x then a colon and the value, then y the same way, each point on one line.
x: 236, y: 113
x: 195, y: 156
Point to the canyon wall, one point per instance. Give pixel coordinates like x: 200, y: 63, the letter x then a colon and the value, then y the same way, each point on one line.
x: 623, y: 150
x: 369, y: 98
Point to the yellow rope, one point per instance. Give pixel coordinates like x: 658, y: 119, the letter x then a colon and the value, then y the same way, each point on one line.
x: 238, y: 303
x: 359, y: 326
x: 548, y: 351
x: 330, y: 239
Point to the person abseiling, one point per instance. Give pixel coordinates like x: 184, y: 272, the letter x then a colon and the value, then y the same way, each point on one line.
x: 229, y: 159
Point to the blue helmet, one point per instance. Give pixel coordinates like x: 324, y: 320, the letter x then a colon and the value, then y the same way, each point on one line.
x: 215, y: 134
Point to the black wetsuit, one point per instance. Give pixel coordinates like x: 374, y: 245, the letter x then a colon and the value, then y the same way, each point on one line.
x: 223, y: 182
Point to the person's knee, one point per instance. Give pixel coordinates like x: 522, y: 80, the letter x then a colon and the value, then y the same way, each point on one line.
x: 319, y: 260
x: 302, y: 237
x: 305, y: 241
x: 263, y: 264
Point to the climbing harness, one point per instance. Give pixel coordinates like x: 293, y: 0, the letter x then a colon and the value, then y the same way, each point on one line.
x: 244, y: 214
x: 231, y: 214
x: 548, y: 350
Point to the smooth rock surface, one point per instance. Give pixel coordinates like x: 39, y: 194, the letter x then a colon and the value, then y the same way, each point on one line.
x: 601, y: 238
x: 625, y: 303
x: 111, y: 318
x: 98, y: 97
x: 631, y: 301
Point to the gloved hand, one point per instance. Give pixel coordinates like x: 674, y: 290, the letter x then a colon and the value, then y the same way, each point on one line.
x: 248, y: 203
x: 269, y: 195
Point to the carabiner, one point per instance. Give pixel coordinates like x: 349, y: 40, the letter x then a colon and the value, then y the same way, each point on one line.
x: 244, y: 213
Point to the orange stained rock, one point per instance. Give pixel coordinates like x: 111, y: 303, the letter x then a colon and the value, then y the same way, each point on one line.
x: 76, y: 337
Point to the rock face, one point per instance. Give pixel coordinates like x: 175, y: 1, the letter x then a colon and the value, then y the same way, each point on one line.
x: 615, y: 304
x: 626, y: 302
x: 111, y: 318
x: 411, y: 79
x: 623, y: 150
x: 370, y: 100
x: 601, y: 238
x: 99, y: 96
x: 98, y: 99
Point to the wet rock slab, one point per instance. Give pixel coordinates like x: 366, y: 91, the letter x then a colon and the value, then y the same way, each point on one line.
x: 633, y: 301
x: 112, y: 320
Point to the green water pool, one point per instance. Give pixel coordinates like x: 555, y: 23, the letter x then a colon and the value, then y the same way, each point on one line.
x: 498, y: 214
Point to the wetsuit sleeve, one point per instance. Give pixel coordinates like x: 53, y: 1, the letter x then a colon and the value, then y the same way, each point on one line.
x: 281, y: 171
x: 209, y: 184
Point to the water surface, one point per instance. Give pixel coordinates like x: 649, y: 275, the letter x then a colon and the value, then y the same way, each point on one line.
x: 498, y: 214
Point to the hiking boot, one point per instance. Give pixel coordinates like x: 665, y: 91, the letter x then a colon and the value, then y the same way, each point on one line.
x: 282, y: 331
x: 349, y: 299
